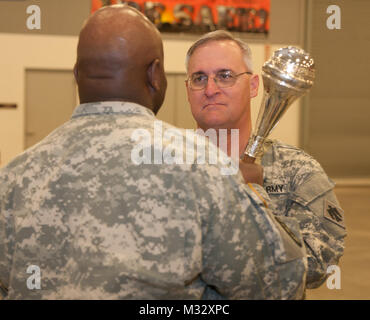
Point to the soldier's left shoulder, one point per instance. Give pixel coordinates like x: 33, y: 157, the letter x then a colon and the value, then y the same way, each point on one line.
x: 286, y: 151
x: 282, y: 147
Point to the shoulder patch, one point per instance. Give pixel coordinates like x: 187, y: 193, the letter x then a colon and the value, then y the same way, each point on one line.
x: 333, y: 213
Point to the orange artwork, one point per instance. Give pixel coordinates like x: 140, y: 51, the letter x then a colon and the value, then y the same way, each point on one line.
x: 199, y: 16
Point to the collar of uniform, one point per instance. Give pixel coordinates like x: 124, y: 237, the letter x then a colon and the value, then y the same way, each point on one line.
x: 110, y: 107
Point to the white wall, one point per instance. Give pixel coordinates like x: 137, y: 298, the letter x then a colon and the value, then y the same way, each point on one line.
x: 19, y: 52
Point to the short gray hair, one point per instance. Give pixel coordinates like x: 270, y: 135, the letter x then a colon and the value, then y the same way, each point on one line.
x: 220, y: 35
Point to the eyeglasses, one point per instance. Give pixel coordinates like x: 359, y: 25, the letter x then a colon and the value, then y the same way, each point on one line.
x: 223, y: 79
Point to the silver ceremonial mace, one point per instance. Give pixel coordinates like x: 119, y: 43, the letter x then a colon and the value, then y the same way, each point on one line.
x: 288, y: 75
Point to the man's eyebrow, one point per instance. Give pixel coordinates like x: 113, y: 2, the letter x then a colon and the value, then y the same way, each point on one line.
x: 200, y: 72
x: 224, y: 70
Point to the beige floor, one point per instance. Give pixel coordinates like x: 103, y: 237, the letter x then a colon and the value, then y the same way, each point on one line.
x: 355, y: 263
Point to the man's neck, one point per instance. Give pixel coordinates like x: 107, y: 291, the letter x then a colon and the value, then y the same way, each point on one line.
x: 236, y: 141
x: 244, y: 134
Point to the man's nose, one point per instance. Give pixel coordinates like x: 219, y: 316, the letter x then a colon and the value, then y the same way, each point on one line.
x: 211, y: 87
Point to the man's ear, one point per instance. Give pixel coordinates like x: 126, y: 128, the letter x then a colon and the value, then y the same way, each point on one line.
x: 188, y: 90
x: 254, y: 84
x: 154, y: 75
x: 75, y: 72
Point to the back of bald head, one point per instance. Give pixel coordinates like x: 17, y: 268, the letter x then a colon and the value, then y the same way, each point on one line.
x: 120, y: 58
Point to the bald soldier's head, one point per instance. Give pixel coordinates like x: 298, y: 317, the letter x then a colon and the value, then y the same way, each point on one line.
x: 120, y: 58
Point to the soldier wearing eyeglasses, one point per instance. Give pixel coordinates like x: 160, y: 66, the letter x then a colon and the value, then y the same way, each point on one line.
x: 220, y: 86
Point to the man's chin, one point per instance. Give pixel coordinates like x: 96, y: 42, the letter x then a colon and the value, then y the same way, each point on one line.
x: 215, y: 123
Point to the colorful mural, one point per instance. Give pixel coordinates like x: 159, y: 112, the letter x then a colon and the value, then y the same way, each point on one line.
x: 199, y: 16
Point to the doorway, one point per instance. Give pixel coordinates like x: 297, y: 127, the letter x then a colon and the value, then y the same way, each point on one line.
x: 51, y: 97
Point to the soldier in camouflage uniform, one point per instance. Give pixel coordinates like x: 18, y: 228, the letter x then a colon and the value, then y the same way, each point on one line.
x: 296, y: 183
x: 79, y: 219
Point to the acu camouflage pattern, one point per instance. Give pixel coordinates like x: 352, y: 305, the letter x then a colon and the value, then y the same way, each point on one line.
x: 299, y: 188
x: 101, y: 227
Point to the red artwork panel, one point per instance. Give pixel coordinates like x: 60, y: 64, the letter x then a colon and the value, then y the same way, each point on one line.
x: 199, y: 16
